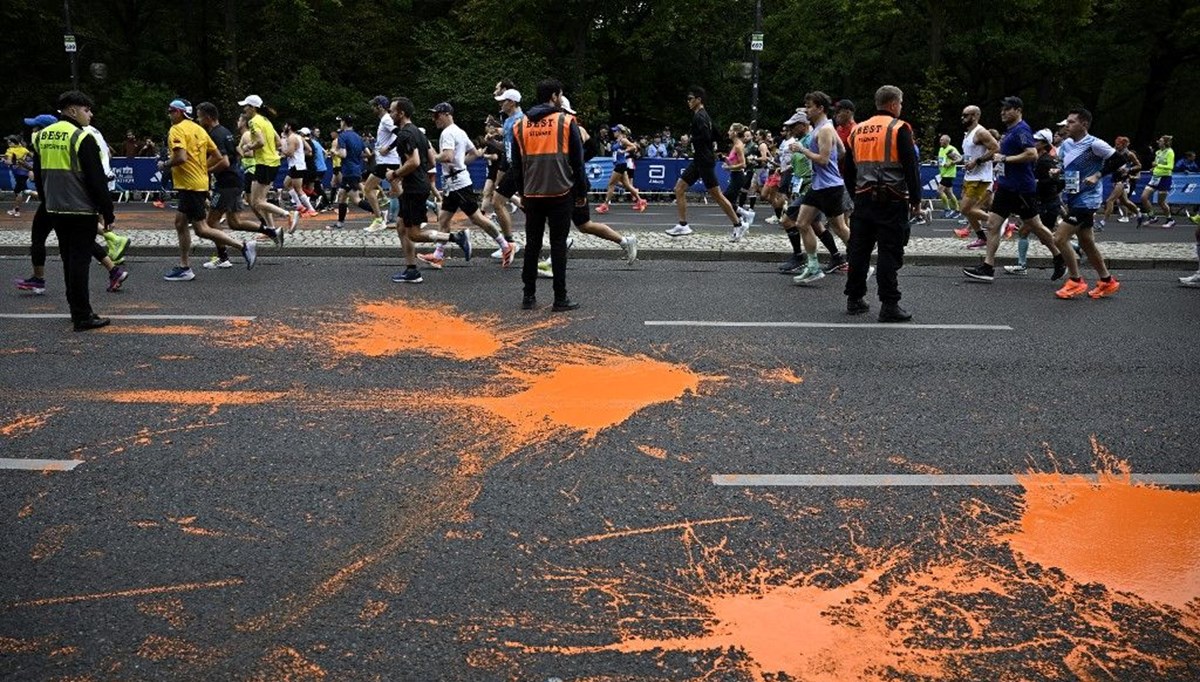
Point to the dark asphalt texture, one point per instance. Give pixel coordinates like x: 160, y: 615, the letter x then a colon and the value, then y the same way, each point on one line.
x: 318, y: 535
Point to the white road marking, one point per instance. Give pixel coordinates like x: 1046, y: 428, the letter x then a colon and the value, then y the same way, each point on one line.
x: 39, y: 464
x: 830, y: 325
x: 64, y: 316
x: 934, y: 480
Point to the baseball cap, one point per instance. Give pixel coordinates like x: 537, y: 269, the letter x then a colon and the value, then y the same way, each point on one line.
x: 1012, y: 102
x: 1044, y: 135
x: 305, y: 131
x: 379, y: 101
x: 566, y: 105
x: 252, y: 100
x: 41, y: 120
x: 510, y: 94
x: 798, y: 117
x: 344, y: 118
x: 1061, y: 123
x: 844, y: 104
x: 182, y: 106
x: 442, y: 108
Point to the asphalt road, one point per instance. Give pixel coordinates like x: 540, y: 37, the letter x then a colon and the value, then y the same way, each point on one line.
x: 371, y: 481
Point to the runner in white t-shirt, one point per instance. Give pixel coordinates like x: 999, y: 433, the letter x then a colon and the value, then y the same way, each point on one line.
x: 386, y: 159
x: 455, y: 151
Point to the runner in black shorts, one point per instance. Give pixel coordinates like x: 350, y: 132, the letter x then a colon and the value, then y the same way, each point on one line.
x: 703, y: 167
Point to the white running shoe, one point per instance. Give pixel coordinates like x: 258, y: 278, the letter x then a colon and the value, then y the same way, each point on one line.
x: 740, y: 231
x: 747, y: 216
x: 544, y: 269
x: 630, y: 247
x: 1016, y: 269
x: 772, y: 220
x: 293, y: 221
x: 216, y: 263
x: 811, y: 274
x: 499, y: 255
x: 375, y: 226
x: 1192, y: 280
x: 679, y: 230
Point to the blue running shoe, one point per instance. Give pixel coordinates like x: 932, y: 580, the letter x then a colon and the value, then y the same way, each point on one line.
x: 409, y: 276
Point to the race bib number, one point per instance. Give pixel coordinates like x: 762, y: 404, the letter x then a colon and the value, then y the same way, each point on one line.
x: 1072, y: 180
x: 999, y: 169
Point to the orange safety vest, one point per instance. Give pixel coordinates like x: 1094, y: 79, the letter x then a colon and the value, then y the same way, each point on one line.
x: 545, y: 155
x: 875, y: 142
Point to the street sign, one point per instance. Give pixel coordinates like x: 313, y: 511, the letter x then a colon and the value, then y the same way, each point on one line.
x: 756, y: 42
x: 69, y: 42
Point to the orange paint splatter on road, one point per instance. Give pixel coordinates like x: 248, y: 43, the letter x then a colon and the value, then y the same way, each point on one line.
x: 158, y: 648
x: 651, y: 451
x: 165, y: 397
x: 25, y: 424
x: 1127, y: 537
x: 684, y: 525
x: 783, y: 375
x: 170, y: 610
x: 157, y: 330
x: 138, y: 592
x: 285, y: 664
x: 50, y: 542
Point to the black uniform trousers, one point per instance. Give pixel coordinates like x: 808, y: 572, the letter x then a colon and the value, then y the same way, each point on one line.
x: 540, y: 211
x: 42, y: 229
x: 883, y: 223
x: 76, y: 240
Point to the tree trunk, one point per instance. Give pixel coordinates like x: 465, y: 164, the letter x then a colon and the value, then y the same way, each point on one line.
x: 1162, y: 66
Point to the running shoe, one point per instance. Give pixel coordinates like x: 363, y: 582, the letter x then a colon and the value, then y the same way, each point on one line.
x: 335, y: 226
x: 772, y: 220
x: 180, y: 274
x: 250, y: 253
x: 463, y: 239
x: 1072, y: 289
x: 1152, y: 220
x: 506, y: 258
x: 498, y: 254
x: 375, y: 226
x: 217, y: 263
x: 811, y: 274
x: 837, y: 263
x: 38, y: 285
x: 293, y: 220
x: 431, y: 260
x: 1010, y: 229
x: 977, y: 244
x: 158, y: 203
x: 679, y: 230
x: 116, y: 246
x: 1016, y: 269
x: 1099, y: 226
x: 947, y: 214
x: 602, y: 208
x: 277, y: 236
x: 962, y: 232
x: 629, y: 244
x: 1195, y: 218
x: 1123, y: 219
x: 116, y: 277
x: 1169, y: 224
x: 14, y: 212
x: 544, y: 270
x: 432, y: 207
x: 740, y: 231
x: 1192, y: 280
x: 409, y: 276
x: 747, y: 216
x: 793, y: 266
x: 982, y: 272
x: 1105, y: 289
x: 640, y: 205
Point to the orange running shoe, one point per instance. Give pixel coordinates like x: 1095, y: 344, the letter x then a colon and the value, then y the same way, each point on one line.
x: 640, y: 205
x: 602, y: 208
x: 431, y: 260
x: 962, y: 232
x: 1009, y: 230
x: 1105, y: 289
x: 506, y: 255
x: 1072, y: 289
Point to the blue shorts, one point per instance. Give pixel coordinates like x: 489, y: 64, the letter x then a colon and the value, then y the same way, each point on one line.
x: 1160, y: 183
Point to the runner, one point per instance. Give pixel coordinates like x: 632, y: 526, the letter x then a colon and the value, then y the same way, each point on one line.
x: 414, y: 179
x: 948, y: 159
x: 828, y: 192
x: 702, y: 167
x: 624, y: 151
x: 1122, y: 184
x: 1160, y: 181
x: 350, y: 149
x: 456, y: 151
x: 1085, y: 160
x: 20, y: 160
x: 263, y: 145
x: 296, y: 151
x: 1048, y: 174
x: 314, y: 180
x: 386, y: 159
x: 493, y: 152
x: 1016, y: 192
x: 193, y: 156
x: 227, y: 190
x: 735, y: 163
x: 978, y: 150
x: 510, y: 108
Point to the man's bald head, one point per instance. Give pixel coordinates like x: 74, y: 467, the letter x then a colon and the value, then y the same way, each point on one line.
x: 971, y: 110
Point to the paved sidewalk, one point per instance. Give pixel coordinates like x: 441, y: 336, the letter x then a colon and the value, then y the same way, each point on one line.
x: 762, y: 245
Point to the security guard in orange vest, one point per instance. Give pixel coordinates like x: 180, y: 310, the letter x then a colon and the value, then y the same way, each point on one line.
x: 74, y: 190
x: 547, y: 164
x: 881, y: 167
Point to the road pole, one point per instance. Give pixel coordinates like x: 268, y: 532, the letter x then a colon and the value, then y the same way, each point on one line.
x: 70, y: 46
x: 755, y: 47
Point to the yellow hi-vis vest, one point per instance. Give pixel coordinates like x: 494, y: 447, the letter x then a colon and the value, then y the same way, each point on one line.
x: 62, y: 175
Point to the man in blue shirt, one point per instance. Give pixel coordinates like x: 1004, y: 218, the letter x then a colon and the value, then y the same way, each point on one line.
x: 1016, y: 192
x: 350, y: 147
x: 1085, y: 160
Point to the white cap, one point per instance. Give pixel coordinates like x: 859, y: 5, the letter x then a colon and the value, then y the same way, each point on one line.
x: 1044, y: 135
x: 798, y: 117
x: 253, y: 100
x: 1062, y: 123
x: 305, y: 131
x: 566, y: 105
x: 511, y: 94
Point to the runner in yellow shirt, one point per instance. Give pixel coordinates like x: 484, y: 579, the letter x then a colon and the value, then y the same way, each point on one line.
x: 193, y: 157
x: 264, y: 147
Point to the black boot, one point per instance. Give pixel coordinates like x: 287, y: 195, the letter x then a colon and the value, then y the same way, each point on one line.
x: 528, y: 302
x: 856, y: 306
x: 563, y: 305
x: 892, y: 312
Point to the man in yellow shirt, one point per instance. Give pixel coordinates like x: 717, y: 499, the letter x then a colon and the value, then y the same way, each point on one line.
x: 193, y: 157
x: 20, y: 161
x: 264, y: 147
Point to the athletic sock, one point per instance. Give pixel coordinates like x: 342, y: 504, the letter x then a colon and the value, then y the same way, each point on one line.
x: 342, y: 212
x: 778, y: 213
x: 753, y: 201
x: 362, y: 203
x: 793, y: 236
x: 826, y: 238
x: 295, y: 197
x: 222, y: 252
x: 981, y: 234
x: 683, y: 222
x: 812, y: 260
x: 501, y: 241
x: 1106, y: 280
x: 1076, y: 279
x: 306, y: 203
x: 1022, y: 250
x: 440, y: 250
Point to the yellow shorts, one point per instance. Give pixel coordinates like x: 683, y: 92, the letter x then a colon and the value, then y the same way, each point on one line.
x: 976, y: 190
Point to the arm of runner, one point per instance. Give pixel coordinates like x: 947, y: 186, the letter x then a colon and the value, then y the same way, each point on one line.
x: 217, y: 159
x: 1027, y: 156
x: 911, y: 165
x: 983, y: 137
x: 825, y: 142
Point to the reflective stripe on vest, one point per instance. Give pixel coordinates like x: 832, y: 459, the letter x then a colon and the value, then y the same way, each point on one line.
x: 877, y: 157
x: 545, y: 155
x: 62, y: 175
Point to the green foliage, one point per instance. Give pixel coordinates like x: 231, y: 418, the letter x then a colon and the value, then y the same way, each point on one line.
x: 137, y: 106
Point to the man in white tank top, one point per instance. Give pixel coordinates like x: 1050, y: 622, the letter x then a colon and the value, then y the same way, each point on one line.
x: 293, y: 149
x: 978, y: 149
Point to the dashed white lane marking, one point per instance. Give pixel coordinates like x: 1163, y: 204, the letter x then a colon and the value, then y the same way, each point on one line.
x: 39, y: 464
